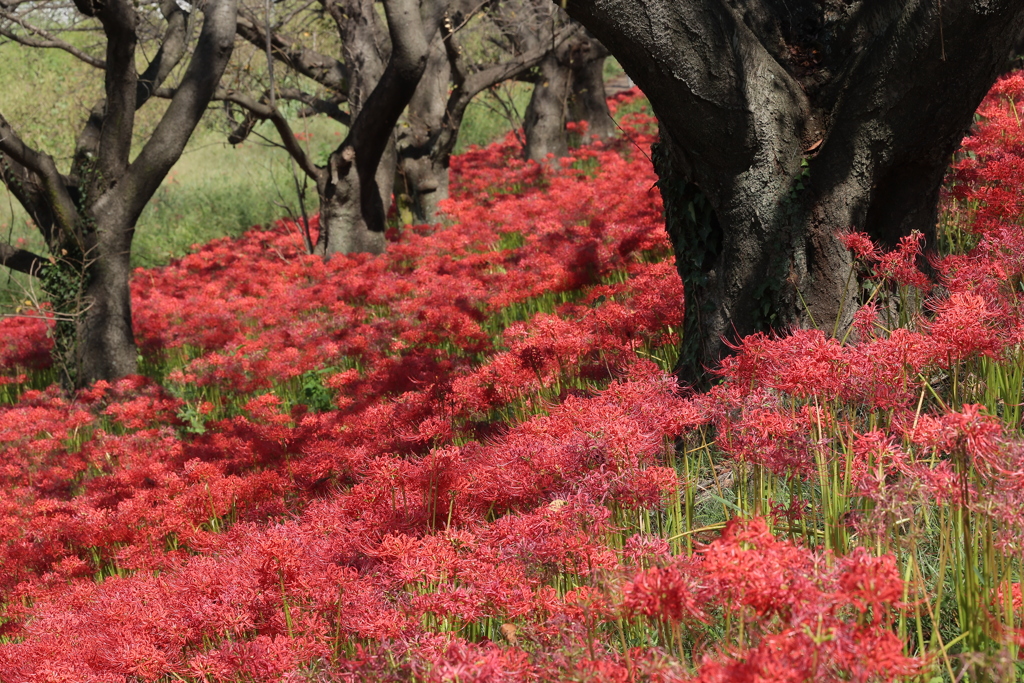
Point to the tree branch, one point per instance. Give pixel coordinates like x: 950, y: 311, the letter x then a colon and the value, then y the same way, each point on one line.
x: 316, y: 105
x: 491, y: 74
x: 38, y: 170
x: 119, y: 19
x: 454, y: 53
x: 469, y: 85
x: 172, y: 49
x: 21, y: 260
x: 190, y: 100
x: 263, y: 111
x: 412, y: 26
x: 28, y: 189
x: 260, y: 110
x: 48, y: 40
x: 326, y: 71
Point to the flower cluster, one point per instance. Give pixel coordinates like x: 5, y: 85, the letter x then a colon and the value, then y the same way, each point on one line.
x: 465, y: 459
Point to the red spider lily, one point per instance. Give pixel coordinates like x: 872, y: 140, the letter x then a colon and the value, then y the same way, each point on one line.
x: 861, y: 245
x: 417, y: 466
x: 900, y: 264
x: 671, y: 593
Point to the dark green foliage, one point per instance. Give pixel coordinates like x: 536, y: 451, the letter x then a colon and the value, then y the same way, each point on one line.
x: 317, y: 397
x: 64, y: 281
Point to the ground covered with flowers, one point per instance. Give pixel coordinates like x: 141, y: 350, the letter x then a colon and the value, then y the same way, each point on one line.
x: 465, y: 460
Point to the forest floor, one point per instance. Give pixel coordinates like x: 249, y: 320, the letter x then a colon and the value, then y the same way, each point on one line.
x: 466, y: 459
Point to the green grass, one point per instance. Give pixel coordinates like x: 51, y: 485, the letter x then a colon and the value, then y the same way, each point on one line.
x: 492, y: 114
x: 214, y: 191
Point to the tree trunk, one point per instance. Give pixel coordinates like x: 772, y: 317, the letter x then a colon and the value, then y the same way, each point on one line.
x: 588, y: 101
x: 544, y: 121
x: 106, y: 344
x: 782, y: 128
x: 424, y: 182
x: 759, y: 255
x: 356, y: 186
x: 435, y: 115
x: 422, y: 176
x: 343, y: 228
x: 87, y: 218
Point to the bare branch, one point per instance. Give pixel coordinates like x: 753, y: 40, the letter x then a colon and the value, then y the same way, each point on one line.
x: 40, y: 170
x: 287, y: 13
x: 46, y: 39
x: 465, y: 17
x: 198, y: 86
x: 469, y: 85
x: 172, y: 49
x: 21, y: 260
x: 487, y: 75
x: 325, y: 70
x: 119, y: 20
x: 263, y: 111
x: 412, y: 26
x: 454, y: 53
x: 27, y: 187
x: 317, y: 105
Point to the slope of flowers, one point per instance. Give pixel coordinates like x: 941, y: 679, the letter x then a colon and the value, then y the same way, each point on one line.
x: 465, y: 460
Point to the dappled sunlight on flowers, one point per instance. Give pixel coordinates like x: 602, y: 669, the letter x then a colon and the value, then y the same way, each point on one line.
x: 467, y: 459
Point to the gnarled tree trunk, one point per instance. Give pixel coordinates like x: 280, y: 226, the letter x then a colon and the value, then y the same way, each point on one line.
x: 105, y: 344
x: 570, y: 87
x: 786, y: 123
x: 88, y: 217
x: 422, y: 174
x: 377, y: 79
x: 344, y: 225
x: 544, y: 121
x: 588, y: 101
x: 435, y: 115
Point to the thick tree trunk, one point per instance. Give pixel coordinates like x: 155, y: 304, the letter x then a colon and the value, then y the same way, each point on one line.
x: 544, y: 121
x: 588, y: 101
x: 423, y: 175
x: 424, y: 182
x: 106, y: 345
x: 356, y: 186
x: 87, y: 218
x: 784, y: 125
x: 435, y: 115
x: 570, y: 87
x: 761, y: 254
x: 343, y: 228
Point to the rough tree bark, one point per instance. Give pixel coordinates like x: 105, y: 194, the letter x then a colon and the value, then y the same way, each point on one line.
x: 353, y: 204
x: 376, y: 78
x: 588, y: 101
x: 88, y: 217
x: 568, y: 87
x: 435, y: 115
x: 422, y: 175
x: 546, y: 114
x: 784, y: 122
